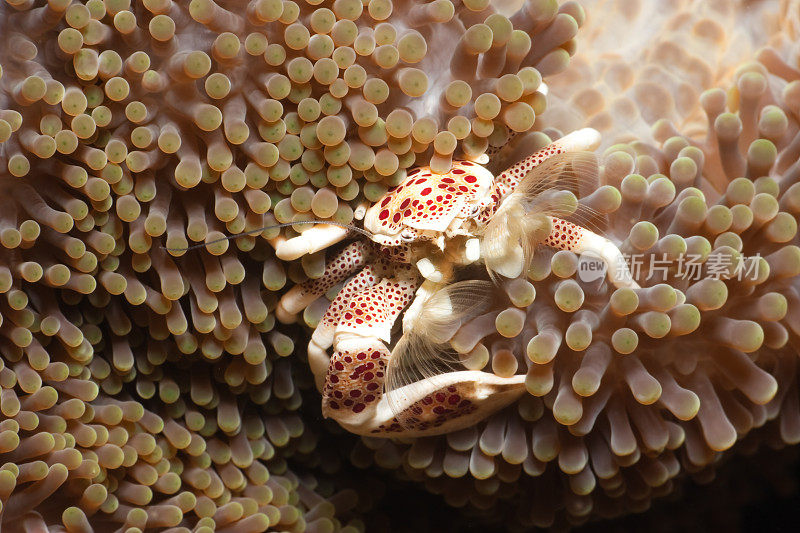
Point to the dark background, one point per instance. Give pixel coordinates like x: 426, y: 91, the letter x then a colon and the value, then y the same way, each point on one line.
x: 755, y: 493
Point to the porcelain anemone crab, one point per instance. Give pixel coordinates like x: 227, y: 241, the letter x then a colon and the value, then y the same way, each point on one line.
x: 420, y: 232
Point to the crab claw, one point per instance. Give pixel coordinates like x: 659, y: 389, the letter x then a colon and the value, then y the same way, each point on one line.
x: 348, y: 260
x: 585, y: 139
x: 312, y: 240
x: 568, y: 236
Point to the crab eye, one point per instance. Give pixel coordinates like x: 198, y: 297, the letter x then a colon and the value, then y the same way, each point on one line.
x: 406, y: 236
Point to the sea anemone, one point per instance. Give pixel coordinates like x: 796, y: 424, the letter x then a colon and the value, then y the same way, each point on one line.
x: 631, y: 390
x: 145, y: 386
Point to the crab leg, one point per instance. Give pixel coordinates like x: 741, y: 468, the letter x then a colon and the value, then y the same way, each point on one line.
x: 354, y: 394
x: 323, y: 335
x: 585, y: 139
x: 568, y: 236
x: 351, y: 258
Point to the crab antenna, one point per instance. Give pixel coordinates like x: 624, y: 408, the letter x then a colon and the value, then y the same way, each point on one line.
x: 586, y: 139
x: 264, y: 228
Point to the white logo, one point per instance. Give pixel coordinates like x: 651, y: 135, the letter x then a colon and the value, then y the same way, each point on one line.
x: 591, y: 267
